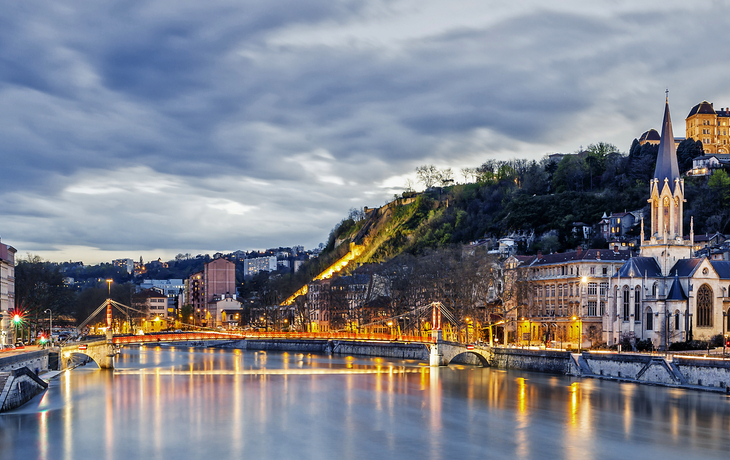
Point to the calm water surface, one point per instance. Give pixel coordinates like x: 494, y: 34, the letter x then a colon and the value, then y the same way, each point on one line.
x: 175, y: 403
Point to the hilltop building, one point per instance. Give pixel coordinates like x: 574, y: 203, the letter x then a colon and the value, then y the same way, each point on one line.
x: 255, y: 265
x: 7, y: 291
x: 711, y: 127
x: 667, y: 294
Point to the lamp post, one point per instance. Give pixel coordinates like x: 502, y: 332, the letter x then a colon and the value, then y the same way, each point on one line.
x: 16, y: 321
x: 50, y: 325
x: 109, y: 284
x: 724, y: 341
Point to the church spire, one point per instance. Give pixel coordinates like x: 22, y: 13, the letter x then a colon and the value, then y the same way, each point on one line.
x: 666, y: 160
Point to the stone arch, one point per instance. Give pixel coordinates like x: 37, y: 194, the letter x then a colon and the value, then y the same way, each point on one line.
x: 466, y: 356
x: 704, y: 309
x: 68, y: 357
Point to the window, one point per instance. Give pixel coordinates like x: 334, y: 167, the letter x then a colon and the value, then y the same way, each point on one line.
x: 603, y: 308
x: 676, y: 320
x: 653, y: 290
x: 704, y: 306
x: 591, y: 308
x: 626, y: 303
x: 604, y: 289
x: 649, y: 319
x: 637, y: 303
x: 592, y: 288
x: 593, y: 270
x: 571, y: 290
x: 552, y: 291
x: 605, y: 271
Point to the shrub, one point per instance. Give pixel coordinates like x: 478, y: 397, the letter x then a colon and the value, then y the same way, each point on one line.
x: 644, y: 345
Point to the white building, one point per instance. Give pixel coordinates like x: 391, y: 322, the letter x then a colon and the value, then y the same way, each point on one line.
x: 259, y: 264
x: 7, y: 291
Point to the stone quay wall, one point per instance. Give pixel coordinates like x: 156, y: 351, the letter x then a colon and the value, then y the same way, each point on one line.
x: 549, y: 361
x: 19, y: 386
x: 704, y: 371
x: 33, y: 360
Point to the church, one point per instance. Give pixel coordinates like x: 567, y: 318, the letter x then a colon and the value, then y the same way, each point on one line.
x: 666, y: 294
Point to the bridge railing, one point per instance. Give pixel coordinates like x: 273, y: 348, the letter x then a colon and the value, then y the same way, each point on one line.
x: 236, y: 335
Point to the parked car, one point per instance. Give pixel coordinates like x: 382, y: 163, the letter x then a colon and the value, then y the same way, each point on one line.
x: 19, y: 345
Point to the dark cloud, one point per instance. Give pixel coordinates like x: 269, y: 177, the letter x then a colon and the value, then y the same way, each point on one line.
x: 157, y: 125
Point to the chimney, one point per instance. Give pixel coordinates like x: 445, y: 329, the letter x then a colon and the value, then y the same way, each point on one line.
x: 539, y: 254
x: 580, y: 250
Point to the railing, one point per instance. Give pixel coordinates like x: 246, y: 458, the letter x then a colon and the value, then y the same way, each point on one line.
x: 194, y: 336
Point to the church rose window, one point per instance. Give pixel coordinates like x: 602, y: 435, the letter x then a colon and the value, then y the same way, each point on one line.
x: 704, y: 306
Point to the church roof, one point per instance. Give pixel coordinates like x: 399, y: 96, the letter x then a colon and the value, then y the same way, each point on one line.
x: 702, y: 107
x: 675, y: 291
x: 685, y: 267
x: 666, y: 160
x: 722, y: 267
x: 639, y: 267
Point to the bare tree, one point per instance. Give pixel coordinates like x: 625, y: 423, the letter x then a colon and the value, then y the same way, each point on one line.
x: 428, y: 175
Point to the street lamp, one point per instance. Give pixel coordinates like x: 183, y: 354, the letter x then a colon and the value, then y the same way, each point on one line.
x: 50, y: 324
x: 16, y: 322
x: 109, y: 284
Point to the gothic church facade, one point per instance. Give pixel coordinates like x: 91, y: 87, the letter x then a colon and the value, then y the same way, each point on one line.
x: 666, y: 294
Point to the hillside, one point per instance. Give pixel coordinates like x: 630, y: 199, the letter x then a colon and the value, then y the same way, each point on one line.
x: 544, y: 198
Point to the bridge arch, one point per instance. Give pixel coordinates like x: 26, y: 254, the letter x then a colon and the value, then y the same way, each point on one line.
x: 101, y: 352
x: 469, y: 357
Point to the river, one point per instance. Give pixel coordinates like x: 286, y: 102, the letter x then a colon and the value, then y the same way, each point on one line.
x: 180, y: 403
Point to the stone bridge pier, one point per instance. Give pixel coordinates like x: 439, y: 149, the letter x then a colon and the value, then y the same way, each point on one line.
x: 442, y: 353
x: 102, y: 352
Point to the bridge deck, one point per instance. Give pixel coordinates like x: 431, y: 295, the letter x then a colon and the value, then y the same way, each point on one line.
x: 200, y: 336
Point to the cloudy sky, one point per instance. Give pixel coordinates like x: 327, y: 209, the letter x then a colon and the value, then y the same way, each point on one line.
x: 149, y: 128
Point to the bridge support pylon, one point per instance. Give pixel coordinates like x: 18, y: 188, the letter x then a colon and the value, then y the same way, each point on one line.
x: 436, y: 358
x: 107, y: 362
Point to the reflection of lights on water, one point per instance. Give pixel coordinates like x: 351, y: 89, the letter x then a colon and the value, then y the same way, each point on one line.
x: 323, y: 371
x: 573, y: 403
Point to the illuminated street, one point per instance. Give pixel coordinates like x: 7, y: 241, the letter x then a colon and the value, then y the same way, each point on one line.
x: 192, y: 403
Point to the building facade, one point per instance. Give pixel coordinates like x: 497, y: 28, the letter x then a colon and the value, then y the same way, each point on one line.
x: 7, y: 291
x: 667, y: 294
x: 566, y: 297
x: 711, y: 127
x: 259, y: 264
x: 154, y: 305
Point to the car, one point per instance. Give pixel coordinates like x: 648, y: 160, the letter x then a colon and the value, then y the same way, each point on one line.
x: 19, y: 345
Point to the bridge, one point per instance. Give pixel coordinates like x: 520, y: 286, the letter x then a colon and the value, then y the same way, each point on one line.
x: 438, y: 352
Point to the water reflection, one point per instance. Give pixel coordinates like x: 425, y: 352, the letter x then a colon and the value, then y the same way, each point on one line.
x: 192, y: 403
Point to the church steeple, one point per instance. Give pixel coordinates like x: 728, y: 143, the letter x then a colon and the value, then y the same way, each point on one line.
x: 666, y: 160
x: 667, y: 188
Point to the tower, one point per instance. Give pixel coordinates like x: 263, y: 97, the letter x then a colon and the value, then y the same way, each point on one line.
x: 666, y: 196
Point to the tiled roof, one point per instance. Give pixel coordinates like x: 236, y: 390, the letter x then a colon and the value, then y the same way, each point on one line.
x: 675, y: 291
x: 639, y: 267
x: 702, y: 107
x: 722, y: 267
x: 685, y: 267
x: 607, y: 255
